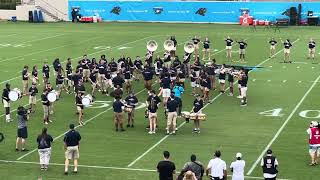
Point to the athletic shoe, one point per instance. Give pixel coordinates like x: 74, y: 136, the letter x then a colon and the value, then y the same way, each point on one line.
x: 75, y: 172
x: 117, y: 130
x: 132, y: 125
x: 239, y: 97
x: 128, y: 125
x: 65, y: 173
x: 46, y: 123
x: 230, y: 94
x: 24, y: 150
x: 150, y: 132
x: 243, y: 104
x: 50, y: 121
x: 153, y: 132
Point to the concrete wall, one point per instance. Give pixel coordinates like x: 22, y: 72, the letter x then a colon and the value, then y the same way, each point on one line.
x: 7, y: 14
x: 23, y: 12
x: 56, y: 7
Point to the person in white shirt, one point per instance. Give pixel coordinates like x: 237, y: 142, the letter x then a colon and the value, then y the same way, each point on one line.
x: 237, y: 168
x: 217, y: 168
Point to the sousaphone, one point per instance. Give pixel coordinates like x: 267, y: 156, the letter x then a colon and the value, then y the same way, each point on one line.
x: 168, y: 45
x: 189, y: 47
x: 152, y: 45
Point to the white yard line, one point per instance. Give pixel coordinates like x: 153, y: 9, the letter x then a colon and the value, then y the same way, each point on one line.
x: 109, y: 167
x: 283, y: 126
x: 165, y: 137
x: 35, y: 40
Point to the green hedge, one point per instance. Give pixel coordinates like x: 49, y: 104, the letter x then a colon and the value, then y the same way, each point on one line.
x: 9, y: 4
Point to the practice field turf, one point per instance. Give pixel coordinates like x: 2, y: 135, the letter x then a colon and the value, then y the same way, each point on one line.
x: 282, y: 100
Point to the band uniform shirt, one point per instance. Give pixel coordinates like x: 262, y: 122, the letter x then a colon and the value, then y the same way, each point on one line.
x: 56, y: 66
x: 25, y: 74
x: 244, y: 80
x: 147, y: 74
x: 153, y: 102
x: 33, y: 91
x: 206, y: 44
x: 172, y: 105
x: 80, y: 88
x: 287, y: 45
x: 138, y: 64
x: 127, y: 73
x: 34, y: 73
x: 72, y: 138
x: 117, y: 106
x: 113, y: 66
x: 238, y: 169
x: 176, y: 63
x: 44, y: 142
x: 45, y: 100
x: 93, y: 76
x: 195, y: 40
x: 242, y: 45
x: 312, y: 44
x: 59, y: 79
x: 131, y: 100
x: 117, y: 81
x: 46, y: 71
x: 166, y: 169
x: 269, y: 164
x: 165, y: 83
x: 229, y: 42
x: 102, y: 68
x: 198, y: 105
x: 217, y: 167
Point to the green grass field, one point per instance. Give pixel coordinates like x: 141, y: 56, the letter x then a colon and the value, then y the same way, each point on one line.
x: 282, y: 100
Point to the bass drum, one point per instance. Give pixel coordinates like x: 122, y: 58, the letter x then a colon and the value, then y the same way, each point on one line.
x: 87, y: 100
x: 15, y: 94
x: 52, y: 96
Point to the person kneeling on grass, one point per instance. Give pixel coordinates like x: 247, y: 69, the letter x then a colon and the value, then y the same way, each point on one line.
x: 22, y: 128
x: 71, y: 147
x: 44, y: 148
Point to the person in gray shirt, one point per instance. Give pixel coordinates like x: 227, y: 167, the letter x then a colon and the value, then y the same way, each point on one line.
x: 22, y: 129
x: 195, y: 166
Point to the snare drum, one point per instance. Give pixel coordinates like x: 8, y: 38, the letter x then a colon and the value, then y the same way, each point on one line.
x: 193, y: 116
x: 86, y: 100
x: 128, y: 109
x: 52, y: 96
x: 185, y: 114
x: 201, y: 117
x: 15, y: 94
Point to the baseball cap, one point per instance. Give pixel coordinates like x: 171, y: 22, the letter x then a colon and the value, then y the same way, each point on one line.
x: 269, y: 151
x: 238, y: 155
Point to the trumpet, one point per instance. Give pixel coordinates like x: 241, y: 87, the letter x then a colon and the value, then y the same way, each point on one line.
x: 152, y: 45
x: 168, y: 45
x: 189, y: 47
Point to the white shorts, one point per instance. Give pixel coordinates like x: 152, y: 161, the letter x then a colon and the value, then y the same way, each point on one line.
x: 287, y: 51
x: 193, y: 84
x: 109, y: 82
x: 166, y: 93
x: 244, y: 91
x: 273, y: 47
x: 5, y: 103
x: 228, y: 47
x: 312, y: 51
x: 197, y: 73
x: 242, y: 51
x: 313, y: 149
x: 222, y: 81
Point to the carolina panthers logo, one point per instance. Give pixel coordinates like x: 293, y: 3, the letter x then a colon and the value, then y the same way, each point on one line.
x: 157, y: 10
x: 116, y: 10
x: 201, y: 11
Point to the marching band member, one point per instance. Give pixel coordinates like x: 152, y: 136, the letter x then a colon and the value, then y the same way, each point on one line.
x: 186, y: 62
x: 93, y: 79
x: 242, y: 49
x: 273, y: 44
x: 222, y: 78
x: 6, y: 101
x: 49, y: 89
x: 80, y: 107
x: 138, y: 65
x: 25, y: 80
x: 314, y: 142
x: 79, y: 68
x: 193, y: 81
x: 229, y: 43
x: 153, y: 103
x: 206, y: 49
x: 56, y: 66
x: 149, y: 56
x: 287, y: 45
x: 108, y: 81
x: 230, y: 80
x: 69, y: 71
x: 101, y: 75
x: 197, y: 67
x: 117, y: 92
x: 46, y: 107
x: 207, y: 87
x: 33, y: 91
x: 128, y: 79
x: 173, y: 75
x: 175, y: 43
x: 46, y: 72
x: 312, y: 49
x: 35, y: 77
x: 59, y: 82
x: 131, y: 102
x: 244, y: 81
x: 113, y: 66
x: 80, y: 87
x: 165, y: 88
x: 158, y: 65
x: 181, y: 75
x: 147, y: 76
x: 85, y: 63
x: 118, y: 114
x: 172, y: 108
x: 76, y: 77
x: 196, y: 41
x: 178, y: 90
x: 176, y: 62
x: 212, y: 74
x: 167, y: 59
x: 197, y: 107
x: 118, y: 81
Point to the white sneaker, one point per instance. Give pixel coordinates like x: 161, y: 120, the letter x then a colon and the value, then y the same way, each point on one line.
x: 153, y: 132
x: 150, y: 132
x: 230, y: 94
x: 239, y: 97
x: 46, y: 123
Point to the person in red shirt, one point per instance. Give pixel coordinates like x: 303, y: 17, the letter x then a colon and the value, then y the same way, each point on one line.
x: 314, y: 142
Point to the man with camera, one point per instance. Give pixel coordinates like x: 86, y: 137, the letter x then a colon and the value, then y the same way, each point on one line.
x: 22, y: 128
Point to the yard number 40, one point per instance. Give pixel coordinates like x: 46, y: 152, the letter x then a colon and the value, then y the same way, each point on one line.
x: 311, y: 114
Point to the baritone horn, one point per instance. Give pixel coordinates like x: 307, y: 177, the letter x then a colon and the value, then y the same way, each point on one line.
x: 189, y: 47
x: 152, y: 46
x: 168, y: 45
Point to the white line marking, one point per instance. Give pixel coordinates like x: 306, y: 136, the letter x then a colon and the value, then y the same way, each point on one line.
x: 298, y: 67
x: 253, y: 80
x: 312, y: 67
x: 109, y: 167
x: 282, y: 127
x: 269, y: 80
x: 284, y: 81
x: 270, y: 66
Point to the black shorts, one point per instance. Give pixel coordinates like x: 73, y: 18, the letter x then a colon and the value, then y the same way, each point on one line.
x: 23, y: 133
